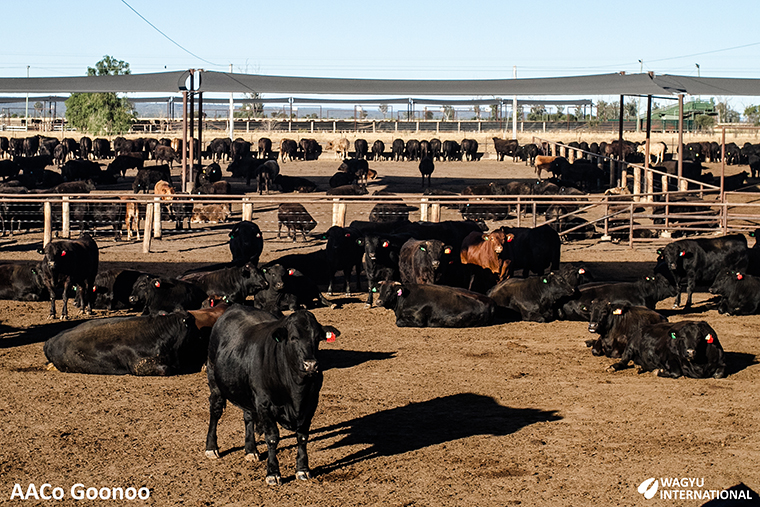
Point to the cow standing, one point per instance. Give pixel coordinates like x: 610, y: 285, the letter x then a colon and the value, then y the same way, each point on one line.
x: 270, y: 370
x: 70, y: 263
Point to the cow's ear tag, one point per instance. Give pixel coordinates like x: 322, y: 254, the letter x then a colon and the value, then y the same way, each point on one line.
x: 400, y: 292
x: 423, y: 249
x: 709, y: 338
x: 374, y: 289
x: 510, y: 238
x: 447, y: 251
x: 63, y: 254
x: 545, y: 280
x: 94, y: 288
x: 486, y: 237
x: 683, y: 252
x: 673, y: 336
x: 739, y: 276
x: 157, y: 284
x: 386, y: 244
x: 291, y: 271
x: 581, y: 271
x: 617, y: 311
x: 329, y: 336
x: 232, y: 236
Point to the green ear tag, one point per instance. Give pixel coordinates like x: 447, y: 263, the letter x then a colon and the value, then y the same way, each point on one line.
x: 423, y: 248
x: 545, y: 280
x: 374, y: 289
x: 673, y: 335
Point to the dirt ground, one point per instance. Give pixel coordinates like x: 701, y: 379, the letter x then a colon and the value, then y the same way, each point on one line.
x: 511, y: 414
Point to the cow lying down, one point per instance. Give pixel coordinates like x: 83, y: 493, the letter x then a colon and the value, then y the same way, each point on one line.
x: 428, y: 305
x: 674, y: 349
x: 171, y: 344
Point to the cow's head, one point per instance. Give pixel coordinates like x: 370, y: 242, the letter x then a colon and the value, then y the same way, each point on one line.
x: 696, y: 343
x: 253, y: 278
x: 274, y: 276
x: 300, y: 334
x: 389, y: 292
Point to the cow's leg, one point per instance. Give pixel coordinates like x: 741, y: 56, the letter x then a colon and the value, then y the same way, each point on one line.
x: 65, y: 299
x: 690, y: 283
x: 216, y: 404
x: 251, y: 454
x: 272, y: 438
x: 51, y: 291
x: 302, y: 459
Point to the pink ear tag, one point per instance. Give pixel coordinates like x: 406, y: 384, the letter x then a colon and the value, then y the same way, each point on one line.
x: 709, y: 338
x: 739, y: 276
x: 330, y: 336
x: 399, y: 292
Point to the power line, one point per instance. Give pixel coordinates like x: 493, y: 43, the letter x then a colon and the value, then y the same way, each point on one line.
x: 167, y: 37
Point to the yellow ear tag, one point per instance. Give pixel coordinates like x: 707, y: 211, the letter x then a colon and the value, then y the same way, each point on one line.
x: 617, y: 311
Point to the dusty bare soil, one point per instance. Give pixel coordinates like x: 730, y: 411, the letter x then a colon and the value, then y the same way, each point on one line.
x: 511, y: 414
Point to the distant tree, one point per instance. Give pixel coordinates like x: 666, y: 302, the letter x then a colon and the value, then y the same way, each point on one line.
x: 101, y: 113
x: 536, y: 113
x: 383, y: 108
x: 494, y: 112
x: 704, y: 121
x: 752, y: 113
x: 726, y: 114
x: 38, y: 107
x: 448, y: 113
x: 428, y: 114
x: 476, y: 109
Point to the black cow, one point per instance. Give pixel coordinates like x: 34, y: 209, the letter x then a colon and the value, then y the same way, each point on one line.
x: 504, y: 147
x: 80, y: 170
x: 381, y: 260
x: 70, y: 263
x: 113, y: 287
x: 426, y: 169
x: 436, y: 149
x: 313, y: 265
x: 295, y: 218
x: 146, y: 179
x: 739, y: 293
x: 22, y: 282
x: 310, y: 149
x: 240, y: 149
x: 171, y: 344
x: 208, y: 174
x: 435, y: 305
x: 123, y: 162
x: 687, y: 348
x: 271, y: 371
x: 451, y: 232
x: 398, y: 148
x: 616, y: 324
x: 289, y: 184
x: 378, y: 150
x: 166, y: 295
x: 245, y: 167
x: 389, y: 212
x: 219, y: 148
x: 232, y: 285
x: 341, y: 179
x: 701, y: 260
x: 451, y: 151
x: 647, y: 291
x: 424, y: 261
x: 265, y: 175
x: 246, y: 243
x: 412, y: 149
x: 533, y: 297
x: 288, y: 289
x: 288, y: 148
x: 361, y: 148
x: 265, y: 148
x: 469, y: 149
x: 344, y: 250
x: 532, y: 250
x: 101, y: 148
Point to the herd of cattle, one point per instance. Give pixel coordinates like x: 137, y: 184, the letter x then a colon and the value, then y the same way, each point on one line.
x: 229, y: 316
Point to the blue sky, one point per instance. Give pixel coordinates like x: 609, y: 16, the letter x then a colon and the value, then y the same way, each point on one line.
x: 477, y: 39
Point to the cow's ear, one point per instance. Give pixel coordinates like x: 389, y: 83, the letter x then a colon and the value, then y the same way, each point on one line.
x: 246, y: 273
x: 280, y: 334
x: 330, y: 333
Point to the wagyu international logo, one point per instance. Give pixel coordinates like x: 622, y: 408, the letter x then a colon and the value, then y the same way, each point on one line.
x: 648, y: 488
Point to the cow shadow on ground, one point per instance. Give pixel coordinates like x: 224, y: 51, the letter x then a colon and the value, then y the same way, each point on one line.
x: 739, y: 495
x: 39, y: 333
x: 738, y: 361
x: 338, y: 359
x: 419, y: 425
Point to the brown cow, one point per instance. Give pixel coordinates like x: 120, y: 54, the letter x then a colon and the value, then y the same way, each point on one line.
x: 213, y: 213
x: 132, y: 217
x: 483, y: 249
x: 543, y: 162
